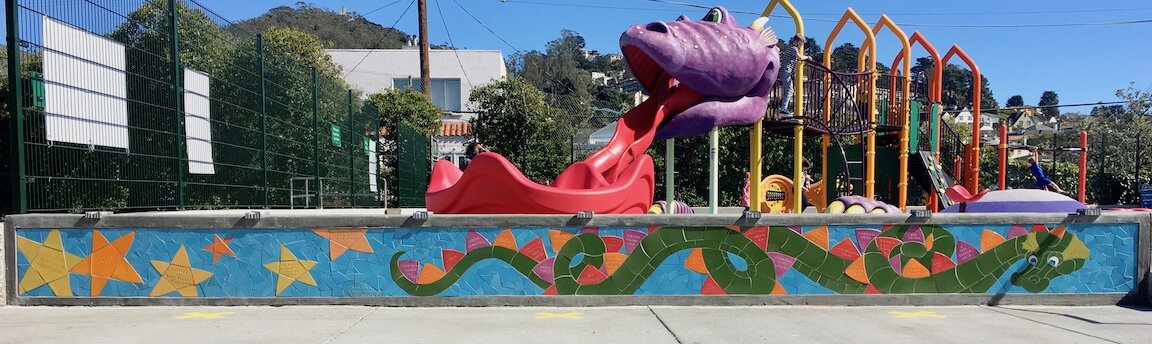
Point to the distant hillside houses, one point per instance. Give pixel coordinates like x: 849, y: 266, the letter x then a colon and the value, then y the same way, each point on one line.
x: 1030, y: 120
x: 988, y: 120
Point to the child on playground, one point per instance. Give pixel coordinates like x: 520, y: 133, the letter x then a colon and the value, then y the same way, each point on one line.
x: 470, y: 153
x: 807, y: 175
x: 788, y: 58
x: 745, y: 201
x: 1042, y: 181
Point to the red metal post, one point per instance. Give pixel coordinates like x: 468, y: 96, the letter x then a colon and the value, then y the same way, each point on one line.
x: 1003, y: 156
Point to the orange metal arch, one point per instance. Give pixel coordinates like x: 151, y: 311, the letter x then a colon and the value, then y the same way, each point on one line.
x: 934, y: 90
x: 974, y: 176
x: 934, y: 87
x: 870, y: 64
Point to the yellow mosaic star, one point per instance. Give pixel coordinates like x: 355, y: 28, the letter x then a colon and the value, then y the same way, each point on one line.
x: 198, y: 315
x: 291, y: 269
x: 178, y: 275
x: 922, y: 314
x: 569, y: 315
x: 49, y: 264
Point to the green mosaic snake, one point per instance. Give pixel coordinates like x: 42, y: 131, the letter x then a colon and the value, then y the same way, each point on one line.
x: 1049, y: 254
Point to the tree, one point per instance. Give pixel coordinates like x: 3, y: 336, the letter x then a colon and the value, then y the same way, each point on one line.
x: 1112, y: 112
x: 558, y: 74
x: 956, y: 87
x: 1048, y: 102
x: 412, y: 109
x: 409, y: 107
x: 845, y: 58
x: 515, y: 120
x: 1118, y: 137
x: 1014, y: 101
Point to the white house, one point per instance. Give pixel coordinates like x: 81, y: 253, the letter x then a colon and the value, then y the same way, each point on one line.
x: 987, y: 120
x: 454, y: 74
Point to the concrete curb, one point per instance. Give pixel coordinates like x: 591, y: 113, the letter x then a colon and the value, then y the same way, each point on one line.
x: 602, y: 301
x: 4, y: 267
x: 272, y: 219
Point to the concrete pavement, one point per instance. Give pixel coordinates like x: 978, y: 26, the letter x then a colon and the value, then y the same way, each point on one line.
x: 656, y: 324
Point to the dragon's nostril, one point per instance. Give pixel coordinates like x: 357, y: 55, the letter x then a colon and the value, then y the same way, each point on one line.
x: 658, y: 27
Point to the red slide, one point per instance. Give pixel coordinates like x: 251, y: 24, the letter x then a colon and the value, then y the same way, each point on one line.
x: 617, y: 179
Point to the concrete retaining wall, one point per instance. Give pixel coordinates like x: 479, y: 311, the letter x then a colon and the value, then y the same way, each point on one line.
x: 366, y: 257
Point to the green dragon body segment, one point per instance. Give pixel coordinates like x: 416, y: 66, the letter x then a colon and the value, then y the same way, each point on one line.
x: 898, y: 260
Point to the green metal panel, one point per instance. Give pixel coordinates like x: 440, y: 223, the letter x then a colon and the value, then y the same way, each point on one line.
x: 934, y: 127
x: 914, y: 127
x: 887, y: 165
x: 37, y: 82
x: 16, y: 100
x: 414, y: 164
x: 178, y: 100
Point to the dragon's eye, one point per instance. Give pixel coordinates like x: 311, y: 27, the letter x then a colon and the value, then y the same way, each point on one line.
x: 1032, y: 260
x: 1053, y: 261
x: 714, y: 16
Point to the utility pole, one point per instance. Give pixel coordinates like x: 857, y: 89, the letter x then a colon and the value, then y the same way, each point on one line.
x: 425, y: 73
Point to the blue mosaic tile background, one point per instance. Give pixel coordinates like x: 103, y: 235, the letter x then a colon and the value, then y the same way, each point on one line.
x: 1111, y: 267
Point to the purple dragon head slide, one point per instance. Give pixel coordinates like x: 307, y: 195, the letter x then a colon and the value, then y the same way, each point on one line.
x: 733, y: 67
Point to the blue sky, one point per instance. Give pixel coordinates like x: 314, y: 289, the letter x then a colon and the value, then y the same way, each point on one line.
x: 1082, y: 63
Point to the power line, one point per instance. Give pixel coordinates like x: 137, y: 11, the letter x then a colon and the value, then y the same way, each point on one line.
x: 966, y: 26
x: 925, y: 14
x: 1042, y: 106
x: 382, y: 38
x: 365, y: 14
x: 485, y: 26
x: 454, y: 50
x: 591, y: 6
x: 993, y: 26
x: 1057, y: 106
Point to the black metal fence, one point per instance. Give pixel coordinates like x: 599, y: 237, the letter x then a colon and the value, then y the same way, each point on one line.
x: 145, y: 105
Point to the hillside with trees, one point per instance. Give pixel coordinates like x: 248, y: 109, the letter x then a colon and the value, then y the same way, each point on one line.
x: 338, y: 30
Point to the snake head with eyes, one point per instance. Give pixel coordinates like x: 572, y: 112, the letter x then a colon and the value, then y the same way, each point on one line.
x: 1049, y: 256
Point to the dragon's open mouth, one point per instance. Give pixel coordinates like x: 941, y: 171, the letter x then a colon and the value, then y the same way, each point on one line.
x: 647, y: 72
x: 660, y: 86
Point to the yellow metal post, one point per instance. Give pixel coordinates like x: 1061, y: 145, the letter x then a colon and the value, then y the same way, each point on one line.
x: 755, y: 193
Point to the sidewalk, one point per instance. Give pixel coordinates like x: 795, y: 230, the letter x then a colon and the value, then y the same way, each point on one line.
x: 790, y: 324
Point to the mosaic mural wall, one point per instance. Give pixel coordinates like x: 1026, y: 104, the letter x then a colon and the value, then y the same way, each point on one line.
x: 365, y: 262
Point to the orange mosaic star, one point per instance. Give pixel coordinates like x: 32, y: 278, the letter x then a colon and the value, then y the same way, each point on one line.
x: 107, y: 262
x: 219, y: 247
x: 341, y: 240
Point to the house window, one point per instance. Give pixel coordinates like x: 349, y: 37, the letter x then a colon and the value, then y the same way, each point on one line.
x: 445, y: 92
